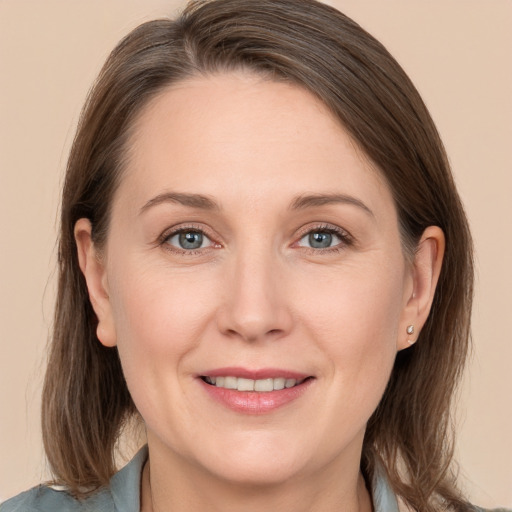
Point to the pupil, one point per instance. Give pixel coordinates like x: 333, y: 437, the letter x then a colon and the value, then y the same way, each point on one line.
x: 191, y: 240
x: 320, y: 240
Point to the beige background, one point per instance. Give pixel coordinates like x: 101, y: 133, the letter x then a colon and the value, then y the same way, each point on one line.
x: 458, y: 54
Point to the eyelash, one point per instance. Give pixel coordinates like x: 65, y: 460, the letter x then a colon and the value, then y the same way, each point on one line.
x: 346, y: 239
x: 163, y: 240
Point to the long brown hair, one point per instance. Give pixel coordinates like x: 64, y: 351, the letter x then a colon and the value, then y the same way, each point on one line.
x: 85, y: 399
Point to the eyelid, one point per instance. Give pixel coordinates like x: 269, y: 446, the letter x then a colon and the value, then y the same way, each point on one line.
x: 184, y: 227
x: 323, y: 226
x: 346, y: 238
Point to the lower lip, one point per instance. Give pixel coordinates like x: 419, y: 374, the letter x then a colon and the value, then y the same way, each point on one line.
x: 255, y: 402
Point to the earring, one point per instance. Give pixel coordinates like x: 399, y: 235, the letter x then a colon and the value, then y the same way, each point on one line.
x: 410, y: 330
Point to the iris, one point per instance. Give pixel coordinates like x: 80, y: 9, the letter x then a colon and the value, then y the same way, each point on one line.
x: 320, y: 239
x: 190, y: 240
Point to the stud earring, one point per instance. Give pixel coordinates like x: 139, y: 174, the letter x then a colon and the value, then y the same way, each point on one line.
x: 410, y: 330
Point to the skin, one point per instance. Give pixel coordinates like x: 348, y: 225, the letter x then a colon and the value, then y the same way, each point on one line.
x: 255, y: 295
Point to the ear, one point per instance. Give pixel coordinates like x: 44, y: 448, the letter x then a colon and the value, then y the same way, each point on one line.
x: 94, y: 271
x: 425, y: 271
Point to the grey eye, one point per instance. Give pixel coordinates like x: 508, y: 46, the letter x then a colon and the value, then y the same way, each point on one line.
x: 320, y: 240
x: 189, y: 240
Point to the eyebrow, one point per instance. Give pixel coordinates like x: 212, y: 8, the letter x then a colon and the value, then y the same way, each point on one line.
x: 301, y: 202
x: 314, y: 200
x: 191, y: 200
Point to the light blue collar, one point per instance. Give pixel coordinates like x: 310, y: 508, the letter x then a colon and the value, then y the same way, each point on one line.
x: 125, y: 484
x: 384, y: 499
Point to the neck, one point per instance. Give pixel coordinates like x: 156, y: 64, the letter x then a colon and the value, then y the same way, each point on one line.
x: 184, y: 488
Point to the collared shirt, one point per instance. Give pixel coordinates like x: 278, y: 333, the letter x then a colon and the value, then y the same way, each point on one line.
x: 123, y: 494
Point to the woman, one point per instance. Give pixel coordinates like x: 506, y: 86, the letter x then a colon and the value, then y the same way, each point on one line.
x: 264, y: 256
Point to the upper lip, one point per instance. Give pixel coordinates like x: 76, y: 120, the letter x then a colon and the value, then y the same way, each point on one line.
x: 256, y: 374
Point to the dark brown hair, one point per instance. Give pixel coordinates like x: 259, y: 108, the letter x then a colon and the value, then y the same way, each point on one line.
x: 85, y: 400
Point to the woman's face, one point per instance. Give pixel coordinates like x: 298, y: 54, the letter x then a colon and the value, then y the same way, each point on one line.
x: 251, y: 244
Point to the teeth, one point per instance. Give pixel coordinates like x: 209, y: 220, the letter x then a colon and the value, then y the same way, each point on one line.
x: 279, y: 383
x: 245, y: 384
x: 261, y: 385
x: 230, y: 383
x: 264, y: 385
x: 290, y: 383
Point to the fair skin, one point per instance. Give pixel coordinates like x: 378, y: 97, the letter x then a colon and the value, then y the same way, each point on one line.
x: 289, y: 265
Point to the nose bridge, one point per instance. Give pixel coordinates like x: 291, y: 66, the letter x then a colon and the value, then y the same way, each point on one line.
x: 256, y: 307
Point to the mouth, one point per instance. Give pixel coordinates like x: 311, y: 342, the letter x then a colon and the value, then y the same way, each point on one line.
x: 251, y: 391
x: 259, y: 385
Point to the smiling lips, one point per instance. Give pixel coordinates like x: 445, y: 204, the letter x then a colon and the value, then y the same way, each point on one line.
x: 260, y: 385
x: 257, y: 392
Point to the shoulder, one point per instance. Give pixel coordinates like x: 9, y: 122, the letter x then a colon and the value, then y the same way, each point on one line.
x: 121, y: 495
x: 47, y: 499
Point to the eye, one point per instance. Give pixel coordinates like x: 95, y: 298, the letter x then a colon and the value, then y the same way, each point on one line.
x: 319, y: 240
x: 188, y: 240
x: 324, y: 238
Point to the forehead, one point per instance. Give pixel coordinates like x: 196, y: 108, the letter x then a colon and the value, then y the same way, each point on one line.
x: 239, y: 132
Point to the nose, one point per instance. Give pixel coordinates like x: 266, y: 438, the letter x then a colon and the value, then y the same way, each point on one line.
x: 255, y: 306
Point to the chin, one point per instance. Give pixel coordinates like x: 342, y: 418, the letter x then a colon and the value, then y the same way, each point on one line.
x: 261, y: 474
x: 258, y: 464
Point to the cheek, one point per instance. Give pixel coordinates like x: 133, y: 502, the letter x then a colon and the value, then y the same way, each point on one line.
x: 359, y: 337
x: 159, y: 318
x: 362, y: 304
x: 158, y: 309
x: 355, y: 319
